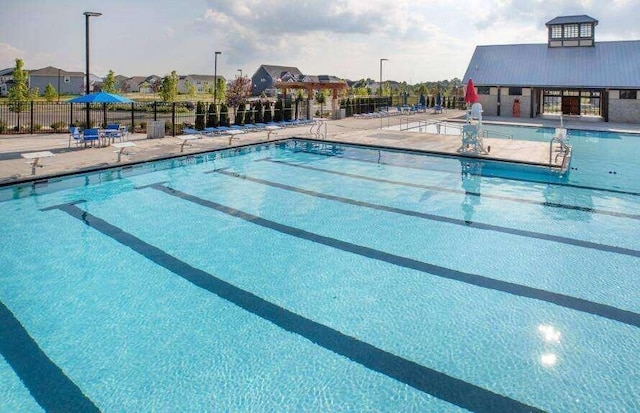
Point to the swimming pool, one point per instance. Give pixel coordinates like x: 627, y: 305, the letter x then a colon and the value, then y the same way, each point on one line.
x: 600, y: 158
x: 313, y: 277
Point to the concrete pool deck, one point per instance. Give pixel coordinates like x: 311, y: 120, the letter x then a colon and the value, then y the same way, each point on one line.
x: 14, y: 169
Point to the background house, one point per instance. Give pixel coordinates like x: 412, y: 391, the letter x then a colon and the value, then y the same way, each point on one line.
x: 264, y: 78
x: 202, y: 83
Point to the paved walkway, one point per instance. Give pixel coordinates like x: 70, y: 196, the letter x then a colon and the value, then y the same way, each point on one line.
x: 14, y: 168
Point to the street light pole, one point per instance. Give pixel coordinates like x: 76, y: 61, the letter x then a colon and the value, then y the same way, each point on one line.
x: 380, y: 87
x: 88, y: 14
x: 58, y: 86
x: 215, y: 78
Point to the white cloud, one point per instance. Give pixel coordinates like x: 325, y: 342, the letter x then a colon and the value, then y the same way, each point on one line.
x: 8, y: 55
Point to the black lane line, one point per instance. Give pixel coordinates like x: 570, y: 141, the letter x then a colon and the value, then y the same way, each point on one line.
x: 46, y: 382
x: 453, y: 157
x: 566, y: 301
x: 457, y: 191
x: 439, y: 218
x: 435, y: 383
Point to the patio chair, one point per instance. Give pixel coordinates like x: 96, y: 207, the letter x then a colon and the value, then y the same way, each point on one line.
x: 76, y: 135
x: 91, y: 135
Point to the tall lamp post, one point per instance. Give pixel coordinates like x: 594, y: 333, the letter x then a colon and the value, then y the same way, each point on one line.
x: 215, y: 78
x: 88, y: 14
x: 381, y: 60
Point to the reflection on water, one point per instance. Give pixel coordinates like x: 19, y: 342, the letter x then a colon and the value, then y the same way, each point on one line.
x: 471, y: 174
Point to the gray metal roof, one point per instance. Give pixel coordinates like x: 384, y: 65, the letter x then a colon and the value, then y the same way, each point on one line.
x: 607, y: 65
x: 583, y: 18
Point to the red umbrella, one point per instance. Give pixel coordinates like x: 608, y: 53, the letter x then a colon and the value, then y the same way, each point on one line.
x: 471, y: 96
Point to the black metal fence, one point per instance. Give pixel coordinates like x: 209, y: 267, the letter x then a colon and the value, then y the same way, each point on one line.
x: 53, y: 117
x: 46, y: 117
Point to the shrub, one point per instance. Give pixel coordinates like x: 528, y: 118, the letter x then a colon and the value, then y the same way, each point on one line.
x: 200, y: 115
x: 277, y: 117
x: 3, y: 126
x: 58, y: 126
x: 258, y: 112
x: 239, y: 120
x: 267, y: 112
x: 224, y: 115
x: 37, y: 127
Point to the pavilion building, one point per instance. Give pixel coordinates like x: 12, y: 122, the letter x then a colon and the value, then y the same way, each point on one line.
x: 570, y: 74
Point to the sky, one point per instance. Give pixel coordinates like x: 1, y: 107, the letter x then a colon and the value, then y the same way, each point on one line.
x: 423, y: 40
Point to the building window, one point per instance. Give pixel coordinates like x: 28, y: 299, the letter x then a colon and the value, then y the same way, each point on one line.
x: 484, y: 90
x: 628, y: 94
x: 556, y: 32
x: 515, y: 91
x: 571, y: 31
x: 585, y: 30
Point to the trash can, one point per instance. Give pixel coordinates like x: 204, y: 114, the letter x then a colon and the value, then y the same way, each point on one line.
x: 341, y: 113
x: 155, y: 129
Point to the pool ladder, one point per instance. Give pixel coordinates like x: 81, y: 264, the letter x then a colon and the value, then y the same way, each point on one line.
x: 564, y: 150
x: 316, y: 129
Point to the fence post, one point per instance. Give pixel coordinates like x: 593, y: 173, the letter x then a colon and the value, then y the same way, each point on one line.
x: 133, y: 119
x: 155, y: 110
x: 31, y: 118
x: 173, y: 119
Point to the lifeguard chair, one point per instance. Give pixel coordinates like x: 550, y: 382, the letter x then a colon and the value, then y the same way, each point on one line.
x: 471, y: 131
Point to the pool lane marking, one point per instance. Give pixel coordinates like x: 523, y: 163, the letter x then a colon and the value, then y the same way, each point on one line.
x: 433, y: 382
x: 456, y: 191
x: 562, y: 300
x: 46, y: 382
x: 439, y: 218
x: 453, y: 157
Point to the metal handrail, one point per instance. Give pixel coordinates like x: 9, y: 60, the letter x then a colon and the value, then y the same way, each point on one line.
x: 564, y: 148
x: 318, y: 126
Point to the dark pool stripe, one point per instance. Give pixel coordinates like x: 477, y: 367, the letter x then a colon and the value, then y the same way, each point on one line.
x: 46, y: 382
x: 566, y: 301
x: 440, y: 385
x: 485, y: 175
x: 439, y: 218
x: 457, y: 191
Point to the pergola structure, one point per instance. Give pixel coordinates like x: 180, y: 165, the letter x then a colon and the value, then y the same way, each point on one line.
x: 311, y: 86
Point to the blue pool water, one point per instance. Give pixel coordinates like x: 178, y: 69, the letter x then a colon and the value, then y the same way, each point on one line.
x: 317, y: 277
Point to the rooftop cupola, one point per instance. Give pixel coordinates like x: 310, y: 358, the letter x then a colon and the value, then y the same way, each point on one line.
x: 572, y: 31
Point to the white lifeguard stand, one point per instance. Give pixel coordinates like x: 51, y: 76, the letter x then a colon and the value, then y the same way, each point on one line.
x: 471, y: 131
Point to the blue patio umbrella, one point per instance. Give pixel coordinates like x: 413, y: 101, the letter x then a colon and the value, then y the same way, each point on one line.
x: 100, y: 97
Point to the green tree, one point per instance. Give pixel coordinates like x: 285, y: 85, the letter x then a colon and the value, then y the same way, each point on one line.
x: 191, y: 88
x: 20, y: 94
x: 169, y: 87
x: 50, y: 93
x: 221, y: 88
x: 109, y: 83
x: 321, y: 98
